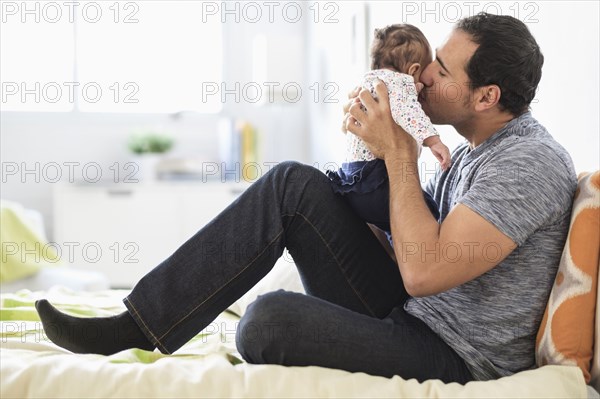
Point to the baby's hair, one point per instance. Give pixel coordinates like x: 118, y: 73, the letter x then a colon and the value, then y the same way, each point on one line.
x: 398, y: 46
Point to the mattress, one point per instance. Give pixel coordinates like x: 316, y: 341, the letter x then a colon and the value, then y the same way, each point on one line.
x: 209, y: 365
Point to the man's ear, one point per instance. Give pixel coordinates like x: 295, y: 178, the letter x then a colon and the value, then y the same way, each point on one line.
x: 414, y: 68
x: 487, y: 97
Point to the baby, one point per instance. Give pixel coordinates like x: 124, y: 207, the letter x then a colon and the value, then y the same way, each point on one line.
x: 399, y: 54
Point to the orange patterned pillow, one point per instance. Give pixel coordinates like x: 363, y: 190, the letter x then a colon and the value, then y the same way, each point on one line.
x: 566, y: 334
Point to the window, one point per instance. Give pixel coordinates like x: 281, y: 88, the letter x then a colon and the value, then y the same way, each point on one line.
x: 134, y: 56
x: 36, y: 60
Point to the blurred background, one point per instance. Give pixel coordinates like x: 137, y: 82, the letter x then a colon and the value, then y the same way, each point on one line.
x: 127, y: 125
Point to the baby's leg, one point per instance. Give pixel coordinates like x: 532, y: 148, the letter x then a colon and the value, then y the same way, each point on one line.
x: 373, y: 206
x: 371, y: 197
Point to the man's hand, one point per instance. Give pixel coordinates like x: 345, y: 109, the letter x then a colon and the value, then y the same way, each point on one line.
x: 352, y: 99
x: 372, y: 121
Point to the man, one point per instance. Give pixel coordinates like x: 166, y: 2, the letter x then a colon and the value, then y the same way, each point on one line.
x: 458, y: 299
x: 505, y: 203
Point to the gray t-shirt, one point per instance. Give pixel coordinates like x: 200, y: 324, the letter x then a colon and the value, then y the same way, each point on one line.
x: 523, y: 182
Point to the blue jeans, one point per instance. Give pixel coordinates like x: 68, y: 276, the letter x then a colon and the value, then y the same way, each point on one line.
x: 352, y: 317
x: 365, y: 185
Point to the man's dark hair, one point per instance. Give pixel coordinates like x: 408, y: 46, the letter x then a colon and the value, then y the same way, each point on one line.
x: 507, y: 56
x: 398, y: 46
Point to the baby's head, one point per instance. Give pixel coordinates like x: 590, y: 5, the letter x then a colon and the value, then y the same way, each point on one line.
x: 402, y: 48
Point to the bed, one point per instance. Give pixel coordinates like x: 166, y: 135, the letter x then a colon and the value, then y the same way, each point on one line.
x: 210, y: 366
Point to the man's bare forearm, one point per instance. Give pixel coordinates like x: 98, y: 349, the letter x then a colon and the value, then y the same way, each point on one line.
x: 413, y: 225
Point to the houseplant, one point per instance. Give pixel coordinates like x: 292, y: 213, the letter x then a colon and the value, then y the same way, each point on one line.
x: 149, y: 148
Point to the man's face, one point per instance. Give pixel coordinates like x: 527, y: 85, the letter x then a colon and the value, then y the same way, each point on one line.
x: 446, y: 98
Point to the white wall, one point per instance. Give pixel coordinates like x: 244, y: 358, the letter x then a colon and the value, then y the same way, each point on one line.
x: 32, y: 139
x: 568, y: 98
x: 331, y: 49
x: 337, y: 60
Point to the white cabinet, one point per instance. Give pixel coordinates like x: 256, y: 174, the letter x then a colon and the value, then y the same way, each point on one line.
x: 125, y: 230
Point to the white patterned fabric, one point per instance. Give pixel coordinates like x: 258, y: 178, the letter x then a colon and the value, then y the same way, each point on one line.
x: 405, y: 107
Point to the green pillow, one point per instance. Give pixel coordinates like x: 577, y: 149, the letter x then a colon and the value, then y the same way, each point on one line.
x: 22, y: 252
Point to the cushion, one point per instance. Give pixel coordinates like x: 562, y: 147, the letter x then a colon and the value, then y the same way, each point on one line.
x: 566, y: 334
x: 23, y: 251
x: 596, y: 362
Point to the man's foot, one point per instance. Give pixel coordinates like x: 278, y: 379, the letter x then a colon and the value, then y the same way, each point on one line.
x: 101, y: 335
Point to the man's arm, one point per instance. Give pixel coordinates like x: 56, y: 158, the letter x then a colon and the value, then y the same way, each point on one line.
x: 432, y: 258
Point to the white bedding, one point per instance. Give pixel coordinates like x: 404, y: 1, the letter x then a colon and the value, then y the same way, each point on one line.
x: 209, y: 365
x: 27, y: 373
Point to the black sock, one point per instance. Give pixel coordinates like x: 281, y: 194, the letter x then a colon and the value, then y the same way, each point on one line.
x: 102, y: 335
